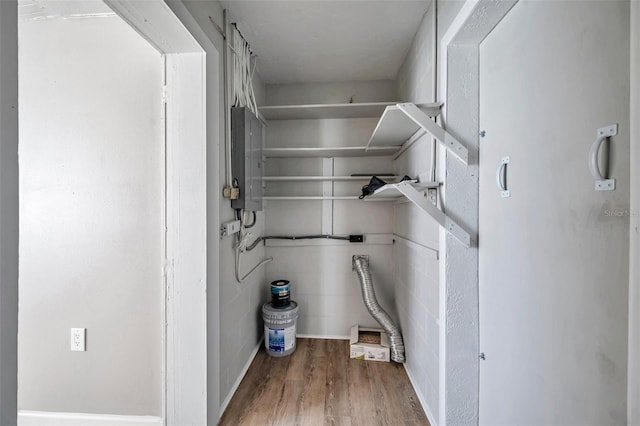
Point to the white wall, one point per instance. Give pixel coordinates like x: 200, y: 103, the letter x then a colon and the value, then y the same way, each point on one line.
x: 633, y: 398
x: 8, y: 211
x: 416, y: 252
x: 234, y: 325
x: 414, y: 78
x: 323, y: 284
x: 416, y: 294
x: 240, y: 315
x: 331, y: 93
x: 91, y: 217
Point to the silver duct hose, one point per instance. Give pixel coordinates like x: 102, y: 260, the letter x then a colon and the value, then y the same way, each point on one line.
x: 361, y: 266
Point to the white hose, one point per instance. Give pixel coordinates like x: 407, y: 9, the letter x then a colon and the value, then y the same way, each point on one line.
x: 240, y: 248
x: 361, y: 265
x: 248, y: 274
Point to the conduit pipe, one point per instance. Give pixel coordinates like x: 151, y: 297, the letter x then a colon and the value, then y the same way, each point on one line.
x: 361, y: 266
x: 434, y: 84
x: 227, y: 110
x: 239, y: 251
x: 241, y: 248
x: 227, y: 107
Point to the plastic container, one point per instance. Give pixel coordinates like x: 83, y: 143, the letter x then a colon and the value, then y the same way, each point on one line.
x: 280, y: 293
x: 280, y: 329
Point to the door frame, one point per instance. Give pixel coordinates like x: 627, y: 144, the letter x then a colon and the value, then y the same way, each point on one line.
x: 9, y: 212
x: 155, y: 20
x: 633, y: 396
x: 459, y: 59
x: 184, y: 305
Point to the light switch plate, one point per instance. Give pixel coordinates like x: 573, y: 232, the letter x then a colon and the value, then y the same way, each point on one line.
x: 78, y: 339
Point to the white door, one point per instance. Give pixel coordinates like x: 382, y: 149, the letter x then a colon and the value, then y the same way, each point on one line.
x: 554, y: 255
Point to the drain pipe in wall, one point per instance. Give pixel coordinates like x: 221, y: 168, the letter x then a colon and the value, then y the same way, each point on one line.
x: 360, y: 264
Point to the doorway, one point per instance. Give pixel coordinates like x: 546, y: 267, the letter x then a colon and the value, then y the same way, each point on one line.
x: 106, y: 236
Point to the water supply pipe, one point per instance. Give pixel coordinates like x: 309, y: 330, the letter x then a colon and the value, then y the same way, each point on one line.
x: 361, y: 266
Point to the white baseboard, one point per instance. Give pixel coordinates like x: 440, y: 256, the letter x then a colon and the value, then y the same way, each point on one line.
x: 425, y: 407
x: 322, y: 336
x: 45, y: 418
x: 235, y: 386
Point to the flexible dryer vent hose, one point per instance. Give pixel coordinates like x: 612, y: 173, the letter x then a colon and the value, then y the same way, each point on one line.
x: 361, y: 265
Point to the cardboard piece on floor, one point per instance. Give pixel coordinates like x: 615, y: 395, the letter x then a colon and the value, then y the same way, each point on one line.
x: 371, y: 344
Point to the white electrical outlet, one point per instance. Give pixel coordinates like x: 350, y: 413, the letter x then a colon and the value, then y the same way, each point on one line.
x: 78, y: 339
x: 229, y: 228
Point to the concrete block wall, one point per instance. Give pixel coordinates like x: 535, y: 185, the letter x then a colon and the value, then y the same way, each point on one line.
x: 323, y: 283
x: 417, y: 286
x: 416, y: 249
x: 416, y: 252
x: 633, y: 398
x: 240, y: 317
x: 327, y: 290
x: 414, y: 78
x: 415, y: 270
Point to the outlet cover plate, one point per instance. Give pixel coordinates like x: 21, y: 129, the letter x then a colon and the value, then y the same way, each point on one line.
x: 229, y: 228
x: 78, y: 339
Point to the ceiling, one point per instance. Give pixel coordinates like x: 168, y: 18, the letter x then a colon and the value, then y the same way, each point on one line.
x: 327, y: 40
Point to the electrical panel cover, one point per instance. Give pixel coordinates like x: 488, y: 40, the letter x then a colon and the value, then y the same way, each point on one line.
x: 246, y: 154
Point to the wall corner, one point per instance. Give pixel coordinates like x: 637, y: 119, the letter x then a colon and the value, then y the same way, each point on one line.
x: 633, y: 391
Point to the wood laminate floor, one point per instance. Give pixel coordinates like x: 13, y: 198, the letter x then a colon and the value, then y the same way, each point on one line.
x: 319, y: 385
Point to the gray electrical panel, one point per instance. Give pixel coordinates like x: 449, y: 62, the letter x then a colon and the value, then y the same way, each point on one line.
x: 246, y: 158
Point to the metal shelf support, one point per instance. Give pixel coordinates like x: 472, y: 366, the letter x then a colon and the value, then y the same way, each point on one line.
x: 443, y: 220
x: 431, y: 127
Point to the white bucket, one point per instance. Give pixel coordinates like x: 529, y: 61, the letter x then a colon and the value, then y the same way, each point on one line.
x: 280, y: 329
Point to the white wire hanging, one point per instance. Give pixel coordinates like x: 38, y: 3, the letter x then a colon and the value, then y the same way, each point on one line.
x: 243, y: 94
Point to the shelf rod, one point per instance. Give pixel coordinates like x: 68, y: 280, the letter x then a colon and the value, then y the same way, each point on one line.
x: 319, y: 198
x: 323, y: 178
x: 347, y: 151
